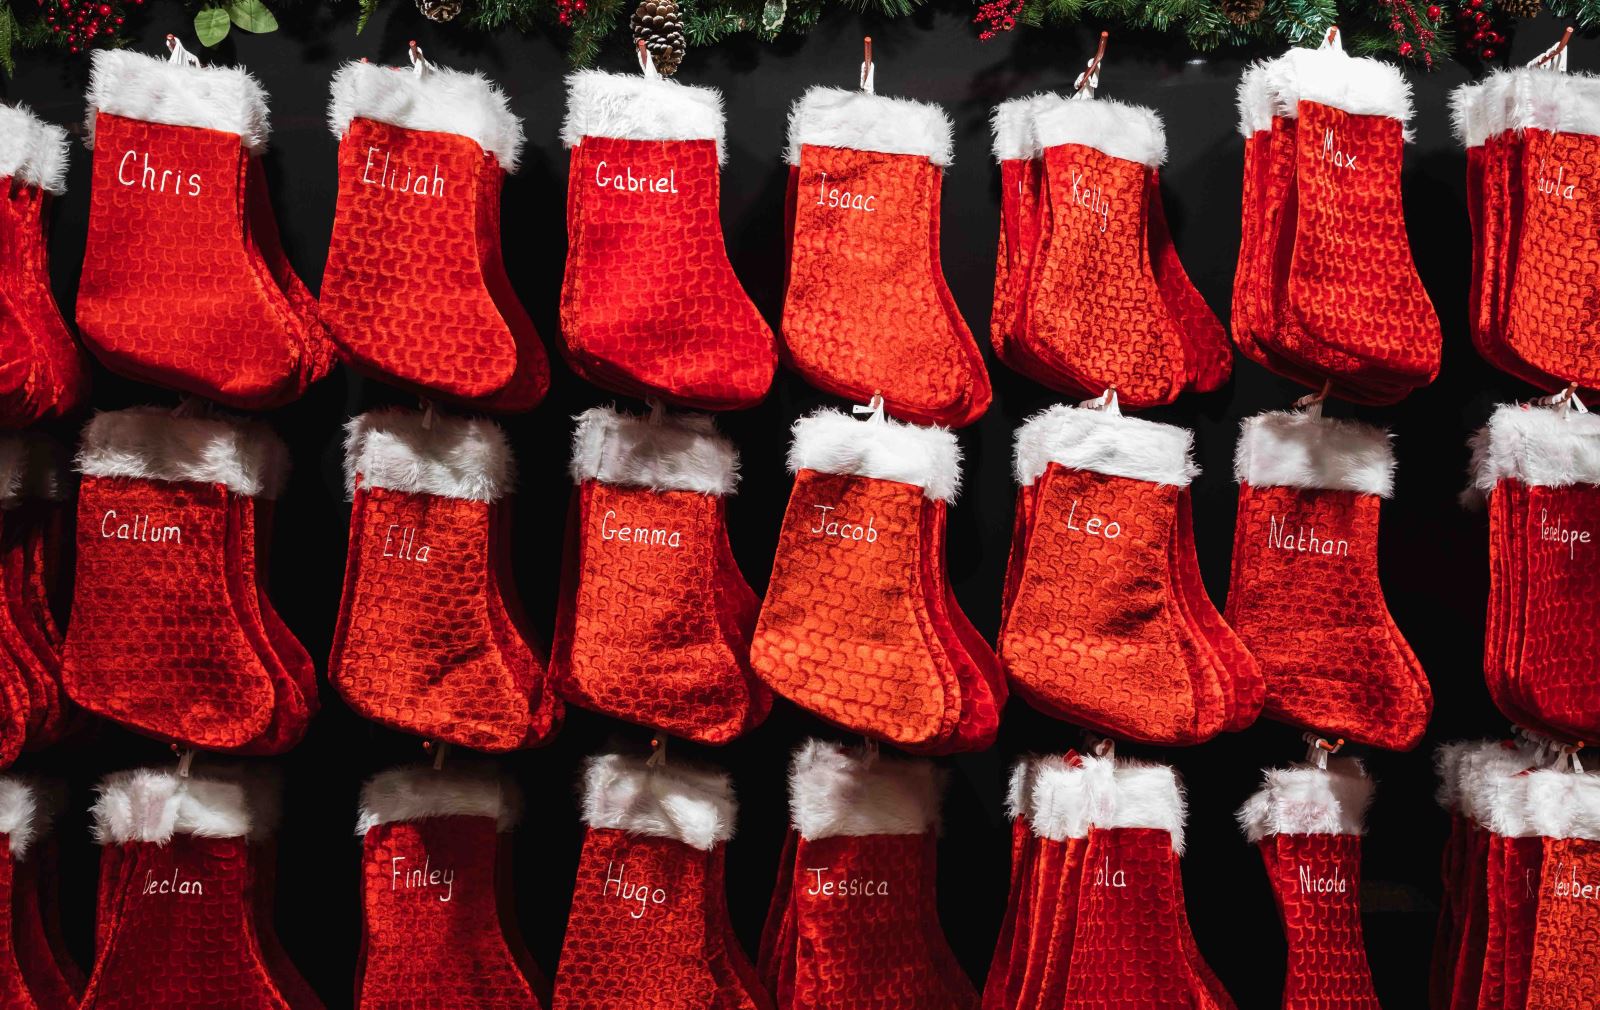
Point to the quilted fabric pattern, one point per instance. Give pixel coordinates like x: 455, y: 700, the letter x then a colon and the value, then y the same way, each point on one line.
x: 13, y: 985
x: 28, y: 646
x: 1560, y: 628
x: 38, y: 958
x: 1565, y: 973
x: 1518, y: 875
x: 1207, y: 354
x: 1342, y: 667
x: 677, y: 328
x: 431, y: 934
x: 1316, y: 880
x: 1057, y: 886
x: 1020, y: 183
x: 42, y: 375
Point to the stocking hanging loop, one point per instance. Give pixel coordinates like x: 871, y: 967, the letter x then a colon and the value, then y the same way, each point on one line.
x: 1085, y: 84
x: 658, y: 752
x: 1319, y: 749
x: 1332, y: 39
x: 873, y: 411
x: 868, y: 71
x: 1564, y: 402
x: 647, y: 65
x: 1106, y: 401
x: 1312, y: 403
x: 1556, y: 56
x: 180, y: 55
x: 419, y: 63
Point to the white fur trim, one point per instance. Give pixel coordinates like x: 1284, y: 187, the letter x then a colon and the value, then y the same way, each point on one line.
x: 1019, y: 787
x: 1563, y: 804
x: 860, y: 121
x: 1487, y: 109
x: 150, y: 805
x: 1548, y: 99
x: 1482, y: 767
x: 148, y: 443
x: 1012, y: 126
x: 1116, y: 129
x: 134, y: 86
x: 836, y: 791
x: 1447, y: 765
x: 1082, y: 438
x: 418, y: 793
x: 689, y: 805
x: 1296, y: 449
x: 635, y: 107
x: 1254, y: 100
x: 455, y: 457
x: 32, y: 151
x: 831, y: 441
x: 1070, y: 796
x: 1147, y: 796
x: 1306, y: 800
x: 439, y: 100
x: 678, y: 452
x: 19, y: 820
x: 263, y: 793
x: 1538, y: 446
x: 1357, y: 85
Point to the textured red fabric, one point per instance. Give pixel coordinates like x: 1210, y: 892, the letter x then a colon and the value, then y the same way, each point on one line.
x: 866, y: 292
x: 684, y: 331
x: 291, y: 707
x: 1316, y: 880
x: 192, y: 311
x: 1560, y: 614
x: 1001, y: 985
x: 1248, y: 272
x: 14, y: 992
x: 1522, y: 862
x: 1207, y: 354
x: 1565, y: 975
x: 431, y: 928
x: 655, y: 619
x: 43, y: 375
x: 1056, y: 888
x: 1020, y: 183
x: 54, y: 980
x: 1342, y: 667
x: 1446, y: 938
x: 1472, y: 934
x: 1239, y: 679
x: 261, y: 224
x: 775, y: 957
x: 32, y: 664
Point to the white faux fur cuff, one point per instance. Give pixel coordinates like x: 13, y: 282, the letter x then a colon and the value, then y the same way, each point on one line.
x: 1547, y: 99
x: 1070, y: 796
x: 1357, y: 85
x: 32, y: 151
x: 831, y: 441
x: 19, y: 819
x: 1254, y: 100
x: 1019, y: 787
x: 635, y: 107
x: 1447, y: 765
x: 1538, y: 446
x: 1307, y: 800
x: 419, y: 793
x: 834, y: 117
x: 836, y: 791
x: 1115, y: 129
x: 1563, y: 804
x: 1483, y: 110
x: 688, y: 805
x: 263, y: 793
x: 1146, y: 796
x: 1012, y: 126
x: 148, y: 443
x: 150, y: 805
x: 1482, y: 767
x: 134, y: 86
x: 451, y: 457
x: 678, y: 452
x: 1082, y: 438
x: 438, y: 100
x: 1295, y: 449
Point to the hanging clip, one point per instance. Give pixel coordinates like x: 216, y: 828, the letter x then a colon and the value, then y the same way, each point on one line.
x: 873, y: 411
x: 419, y: 63
x: 658, y: 752
x: 179, y: 55
x: 868, y: 71
x: 1556, y: 54
x: 647, y: 65
x: 1312, y: 403
x: 869, y: 751
x: 429, y: 415
x: 1332, y: 40
x: 1100, y: 746
x: 1569, y: 754
x: 1106, y: 401
x: 658, y: 411
x: 440, y: 751
x: 1085, y: 84
x: 1564, y: 402
x: 1319, y: 749
x: 185, y: 760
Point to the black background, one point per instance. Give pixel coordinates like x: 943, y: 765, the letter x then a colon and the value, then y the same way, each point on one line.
x: 1434, y: 562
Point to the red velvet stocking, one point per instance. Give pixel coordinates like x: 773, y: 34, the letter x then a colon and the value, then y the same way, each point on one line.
x: 1564, y: 809
x: 54, y: 980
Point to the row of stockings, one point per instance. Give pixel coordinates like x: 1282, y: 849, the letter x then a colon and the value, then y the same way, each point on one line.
x: 655, y: 620
x: 185, y: 283
x: 1326, y: 292
x: 649, y: 924
x: 1085, y: 250
x: 644, y: 172
x: 1095, y: 916
x: 185, y: 908
x: 1530, y: 135
x: 1521, y: 870
x: 1540, y: 470
x: 36, y: 972
x: 33, y: 707
x: 415, y: 292
x: 867, y: 311
x: 1104, y: 621
x: 854, y: 918
x: 439, y: 926
x: 859, y: 624
x: 171, y: 632
x: 41, y: 368
x: 431, y: 636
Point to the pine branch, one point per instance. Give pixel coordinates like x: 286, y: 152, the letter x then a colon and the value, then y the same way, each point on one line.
x: 1584, y: 13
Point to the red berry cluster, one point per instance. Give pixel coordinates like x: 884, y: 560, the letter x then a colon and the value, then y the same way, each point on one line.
x: 1480, y: 35
x: 996, y: 16
x: 568, y: 11
x: 1404, y: 20
x: 79, y: 23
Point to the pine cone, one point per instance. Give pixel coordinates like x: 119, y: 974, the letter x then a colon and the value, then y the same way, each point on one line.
x: 439, y: 10
x: 1521, y: 8
x: 1242, y: 12
x: 659, y: 25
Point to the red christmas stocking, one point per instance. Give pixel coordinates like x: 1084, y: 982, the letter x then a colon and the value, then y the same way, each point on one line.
x: 1207, y: 354
x: 881, y: 660
x: 431, y: 928
x: 30, y: 491
x: 866, y: 295
x: 1308, y: 822
x: 646, y: 154
x: 1452, y: 871
x: 425, y: 643
x: 422, y: 156
x: 1565, y: 809
x: 860, y: 891
x: 646, y: 928
x: 1001, y: 984
x: 1309, y: 490
x: 19, y: 823
x: 43, y: 374
x: 199, y: 311
x: 1515, y: 857
x: 1017, y: 152
x: 54, y: 980
x: 181, y: 931
x: 655, y: 618
x: 1104, y: 516
x: 1252, y: 269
